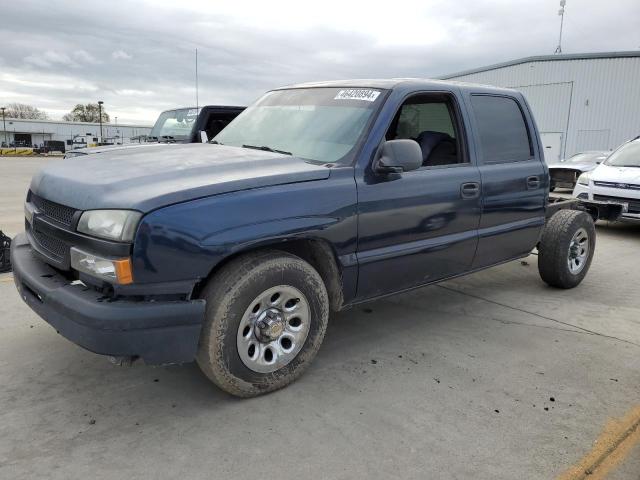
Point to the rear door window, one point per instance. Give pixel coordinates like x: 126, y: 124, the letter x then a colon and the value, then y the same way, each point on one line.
x: 502, y: 129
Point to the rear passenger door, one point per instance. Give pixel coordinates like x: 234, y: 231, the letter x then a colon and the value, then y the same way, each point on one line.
x: 513, y: 175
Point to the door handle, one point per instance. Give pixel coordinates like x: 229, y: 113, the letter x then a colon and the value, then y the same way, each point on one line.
x: 470, y: 190
x: 533, y: 182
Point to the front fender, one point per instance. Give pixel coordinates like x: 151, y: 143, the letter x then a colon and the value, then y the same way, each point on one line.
x: 186, y: 241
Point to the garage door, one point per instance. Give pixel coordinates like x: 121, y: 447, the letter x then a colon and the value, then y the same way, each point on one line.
x: 550, y: 104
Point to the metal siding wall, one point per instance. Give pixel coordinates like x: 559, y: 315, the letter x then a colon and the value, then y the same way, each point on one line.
x: 550, y: 104
x: 606, y: 95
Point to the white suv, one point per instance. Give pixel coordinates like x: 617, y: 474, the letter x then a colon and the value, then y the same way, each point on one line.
x: 617, y: 179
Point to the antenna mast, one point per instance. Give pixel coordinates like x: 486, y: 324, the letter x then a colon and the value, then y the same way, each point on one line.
x: 561, y: 13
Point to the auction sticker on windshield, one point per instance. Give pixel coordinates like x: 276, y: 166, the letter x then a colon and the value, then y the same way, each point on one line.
x: 357, y: 94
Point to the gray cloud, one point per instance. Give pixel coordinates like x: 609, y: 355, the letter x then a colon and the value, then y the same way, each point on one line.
x: 139, y: 59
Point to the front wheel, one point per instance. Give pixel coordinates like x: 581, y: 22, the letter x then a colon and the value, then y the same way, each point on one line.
x: 266, y: 316
x: 566, y: 248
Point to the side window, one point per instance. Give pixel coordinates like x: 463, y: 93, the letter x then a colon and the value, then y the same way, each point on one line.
x: 502, y: 129
x: 422, y: 117
x: 430, y: 120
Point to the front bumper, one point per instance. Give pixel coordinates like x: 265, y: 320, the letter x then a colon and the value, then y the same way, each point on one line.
x: 160, y: 332
x: 629, y: 200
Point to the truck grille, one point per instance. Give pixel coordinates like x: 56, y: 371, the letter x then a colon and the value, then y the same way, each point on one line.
x: 52, y: 210
x: 625, y: 186
x: 54, y: 247
x: 634, y: 203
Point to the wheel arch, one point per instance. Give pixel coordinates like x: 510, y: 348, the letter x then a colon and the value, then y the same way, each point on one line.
x: 318, y: 252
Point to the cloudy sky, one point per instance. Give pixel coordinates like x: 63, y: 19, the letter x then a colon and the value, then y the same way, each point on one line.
x: 138, y: 56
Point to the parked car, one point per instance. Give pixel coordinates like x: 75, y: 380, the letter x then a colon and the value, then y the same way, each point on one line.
x: 564, y: 174
x: 50, y: 146
x: 182, y: 125
x: 616, y: 180
x: 318, y: 197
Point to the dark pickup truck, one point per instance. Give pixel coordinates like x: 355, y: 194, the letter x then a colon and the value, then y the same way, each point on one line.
x: 181, y: 125
x: 317, y: 197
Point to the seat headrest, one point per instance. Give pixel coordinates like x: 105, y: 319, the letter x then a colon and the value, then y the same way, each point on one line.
x: 428, y: 140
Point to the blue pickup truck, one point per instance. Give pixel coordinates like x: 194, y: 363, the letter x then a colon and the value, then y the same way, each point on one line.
x: 315, y: 198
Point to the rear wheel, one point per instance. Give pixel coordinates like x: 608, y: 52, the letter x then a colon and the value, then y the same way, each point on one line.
x: 566, y: 248
x: 266, y: 316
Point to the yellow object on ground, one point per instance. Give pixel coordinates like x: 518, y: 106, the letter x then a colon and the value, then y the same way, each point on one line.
x: 611, y: 448
x: 16, y: 151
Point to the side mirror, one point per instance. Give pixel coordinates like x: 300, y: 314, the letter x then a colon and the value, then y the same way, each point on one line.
x: 398, y: 156
x: 203, y: 136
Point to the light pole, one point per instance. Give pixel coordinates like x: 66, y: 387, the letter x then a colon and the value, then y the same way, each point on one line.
x: 100, y: 102
x: 118, y: 132
x: 4, y: 125
x: 561, y: 13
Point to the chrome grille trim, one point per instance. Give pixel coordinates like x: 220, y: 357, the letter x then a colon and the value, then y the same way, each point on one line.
x: 621, y: 185
x: 56, y: 212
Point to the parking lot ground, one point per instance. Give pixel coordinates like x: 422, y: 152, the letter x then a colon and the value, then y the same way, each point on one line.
x: 15, y: 173
x: 489, y: 376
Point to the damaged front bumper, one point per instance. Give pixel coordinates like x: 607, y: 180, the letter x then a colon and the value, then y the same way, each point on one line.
x: 160, y: 332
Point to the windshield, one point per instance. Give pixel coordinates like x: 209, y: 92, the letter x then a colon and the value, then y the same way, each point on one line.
x: 175, y: 124
x: 320, y: 124
x: 592, y: 157
x: 628, y: 155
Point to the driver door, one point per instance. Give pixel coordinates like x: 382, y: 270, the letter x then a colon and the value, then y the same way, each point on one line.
x: 423, y: 225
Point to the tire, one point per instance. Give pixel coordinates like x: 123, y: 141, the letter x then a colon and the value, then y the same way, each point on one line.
x: 569, y: 234
x: 234, y: 294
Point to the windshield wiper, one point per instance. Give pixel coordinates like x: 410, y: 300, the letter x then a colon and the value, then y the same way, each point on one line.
x: 215, y: 142
x: 267, y: 149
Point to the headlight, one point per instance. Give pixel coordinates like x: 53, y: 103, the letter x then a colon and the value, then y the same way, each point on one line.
x: 109, y: 269
x: 117, y: 225
x: 584, y: 179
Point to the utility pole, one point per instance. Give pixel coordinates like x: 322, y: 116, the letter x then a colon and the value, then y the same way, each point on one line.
x: 4, y: 126
x: 197, y: 79
x: 561, y: 13
x: 100, y: 102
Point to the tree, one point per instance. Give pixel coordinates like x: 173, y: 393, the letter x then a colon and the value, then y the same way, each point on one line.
x: 21, y: 110
x: 86, y: 113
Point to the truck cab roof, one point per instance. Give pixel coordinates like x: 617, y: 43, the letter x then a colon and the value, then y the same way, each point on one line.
x: 404, y: 84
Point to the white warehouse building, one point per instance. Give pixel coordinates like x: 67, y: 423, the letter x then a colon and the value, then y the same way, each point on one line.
x: 32, y: 133
x: 581, y: 102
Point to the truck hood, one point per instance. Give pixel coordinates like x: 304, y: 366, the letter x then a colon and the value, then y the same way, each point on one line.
x: 106, y: 148
x: 148, y: 178
x: 605, y: 173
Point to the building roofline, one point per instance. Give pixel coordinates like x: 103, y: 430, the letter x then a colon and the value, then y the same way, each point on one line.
x: 62, y: 122
x: 545, y: 58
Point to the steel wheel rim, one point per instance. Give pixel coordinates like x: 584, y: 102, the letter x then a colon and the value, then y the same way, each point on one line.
x: 578, y: 251
x: 286, y: 313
